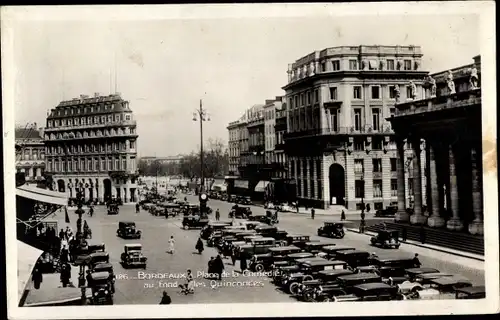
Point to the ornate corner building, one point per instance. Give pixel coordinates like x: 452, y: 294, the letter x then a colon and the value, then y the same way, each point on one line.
x: 30, y: 153
x: 91, y: 146
x: 340, y: 147
x: 448, y: 120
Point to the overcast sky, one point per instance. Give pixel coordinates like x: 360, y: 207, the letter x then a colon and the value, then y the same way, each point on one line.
x: 165, y: 66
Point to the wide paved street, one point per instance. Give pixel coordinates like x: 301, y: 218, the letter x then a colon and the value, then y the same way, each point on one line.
x: 157, y: 230
x: 155, y: 234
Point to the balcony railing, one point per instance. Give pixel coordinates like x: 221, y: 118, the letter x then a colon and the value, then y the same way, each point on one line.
x: 352, y: 130
x: 92, y: 126
x: 456, y: 100
x: 110, y: 136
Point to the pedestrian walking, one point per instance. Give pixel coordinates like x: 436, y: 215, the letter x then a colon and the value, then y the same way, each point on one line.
x: 422, y: 234
x: 137, y: 210
x: 416, y: 261
x: 312, y: 213
x: 217, y: 215
x: 199, y: 246
x: 37, y: 277
x: 165, y: 299
x: 243, y: 261
x: 342, y: 216
x: 219, y: 265
x: 233, y: 256
x: 210, y: 270
x: 404, y: 234
x: 171, y: 245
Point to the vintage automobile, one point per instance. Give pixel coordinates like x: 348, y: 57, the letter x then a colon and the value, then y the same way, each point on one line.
x: 266, y: 231
x: 358, y: 260
x: 113, y: 209
x: 386, y: 239
x: 132, y: 256
x: 389, y: 211
x: 413, y: 273
x: 298, y: 240
x: 82, y: 252
x: 232, y: 198
x: 127, y: 230
x: 100, y: 285
x: 240, y: 236
x: 106, y: 267
x: 240, y: 213
x: 324, y: 285
x: 262, y: 262
x: 245, y: 200
x: 257, y: 246
x: 96, y: 258
x: 249, y: 225
x: 262, y: 218
x: 308, y: 270
x: 316, y: 246
x: 332, y: 230
x: 190, y: 209
x: 474, y: 292
x: 283, y: 269
x: 393, y: 265
x: 375, y: 291
x: 421, y: 281
x: 224, y: 197
x: 194, y: 221
x: 211, y: 227
x: 440, y: 288
x: 330, y: 252
x: 171, y: 209
x: 226, y: 245
x: 351, y: 280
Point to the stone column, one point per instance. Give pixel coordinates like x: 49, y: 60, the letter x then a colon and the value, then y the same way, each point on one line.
x: 401, y: 215
x: 113, y: 190
x: 126, y: 194
x: 417, y: 217
x: 301, y: 177
x: 86, y: 190
x: 315, y: 179
x: 454, y: 223
x: 308, y: 178
x: 435, y: 220
x: 476, y: 227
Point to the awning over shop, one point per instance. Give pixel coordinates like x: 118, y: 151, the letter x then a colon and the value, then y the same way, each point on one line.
x: 42, y: 195
x: 242, y: 184
x: 27, y: 257
x: 261, y: 186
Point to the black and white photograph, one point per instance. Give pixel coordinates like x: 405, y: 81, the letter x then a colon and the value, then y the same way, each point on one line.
x: 250, y: 160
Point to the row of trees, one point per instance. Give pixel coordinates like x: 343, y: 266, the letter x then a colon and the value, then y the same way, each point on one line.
x: 215, y: 163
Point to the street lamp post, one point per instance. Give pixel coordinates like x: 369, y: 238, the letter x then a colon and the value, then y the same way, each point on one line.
x: 203, y: 115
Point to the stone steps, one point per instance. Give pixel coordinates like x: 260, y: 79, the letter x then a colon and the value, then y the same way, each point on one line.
x: 460, y: 241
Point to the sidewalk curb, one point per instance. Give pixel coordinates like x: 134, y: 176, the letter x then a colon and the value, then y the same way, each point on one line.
x: 40, y: 304
x: 455, y: 253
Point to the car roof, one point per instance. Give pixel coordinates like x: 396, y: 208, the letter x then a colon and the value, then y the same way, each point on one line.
x: 127, y: 222
x: 320, y: 243
x: 355, y: 251
x: 297, y: 235
x: 219, y: 223
x: 99, y: 253
x: 387, y: 231
x: 100, y: 275
x: 103, y: 266
x: 422, y: 270
x: 265, y: 239
x: 472, y: 290
x: 373, y: 285
x: 301, y: 254
x: 444, y: 281
x: 339, y: 248
x: 362, y: 275
x: 336, y: 272
x: 284, y: 248
x: 393, y: 258
x: 265, y: 227
x: 323, y: 262
x: 133, y: 245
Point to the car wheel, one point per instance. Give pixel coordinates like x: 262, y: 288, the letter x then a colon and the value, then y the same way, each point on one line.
x: 185, y: 227
x: 259, y: 267
x: 293, y: 288
x: 308, y: 278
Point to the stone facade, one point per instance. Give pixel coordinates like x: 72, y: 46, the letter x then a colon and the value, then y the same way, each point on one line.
x: 30, y: 152
x: 448, y: 119
x: 91, y: 146
x: 337, y: 103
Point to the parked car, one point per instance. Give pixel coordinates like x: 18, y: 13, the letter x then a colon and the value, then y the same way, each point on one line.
x: 257, y: 246
x: 100, y: 286
x: 389, y: 211
x: 239, y: 212
x: 132, y: 256
x: 298, y: 240
x: 330, y: 252
x: 358, y: 260
x: 262, y: 262
x: 375, y: 291
x: 106, y: 267
x: 475, y: 292
x: 351, y: 280
x: 386, y: 239
x: 394, y: 265
x: 192, y: 222
x: 211, y: 227
x: 323, y: 286
x: 332, y: 230
x: 316, y: 246
x: 440, y: 288
x: 127, y: 230
x: 96, y: 258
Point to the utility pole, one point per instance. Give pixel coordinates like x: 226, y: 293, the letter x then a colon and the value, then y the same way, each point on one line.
x: 203, y: 115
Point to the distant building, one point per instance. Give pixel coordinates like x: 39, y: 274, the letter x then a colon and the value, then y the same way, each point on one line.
x: 279, y: 146
x: 163, y: 160
x: 30, y: 152
x: 444, y: 125
x: 341, y: 150
x: 235, y: 129
x: 91, y: 147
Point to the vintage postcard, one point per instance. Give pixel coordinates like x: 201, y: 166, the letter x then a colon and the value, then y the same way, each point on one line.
x: 253, y: 160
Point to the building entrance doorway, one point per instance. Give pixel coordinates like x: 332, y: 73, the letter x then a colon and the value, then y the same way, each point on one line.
x: 107, y: 189
x: 337, y: 184
x: 60, y: 185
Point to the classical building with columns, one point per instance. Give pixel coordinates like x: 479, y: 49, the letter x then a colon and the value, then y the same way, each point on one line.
x: 445, y: 126
x: 91, y: 146
x: 340, y: 147
x: 30, y: 152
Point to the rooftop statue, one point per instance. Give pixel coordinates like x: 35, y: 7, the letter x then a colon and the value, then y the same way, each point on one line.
x: 450, y: 83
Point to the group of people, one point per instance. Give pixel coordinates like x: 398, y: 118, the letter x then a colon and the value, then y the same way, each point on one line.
x: 216, y: 266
